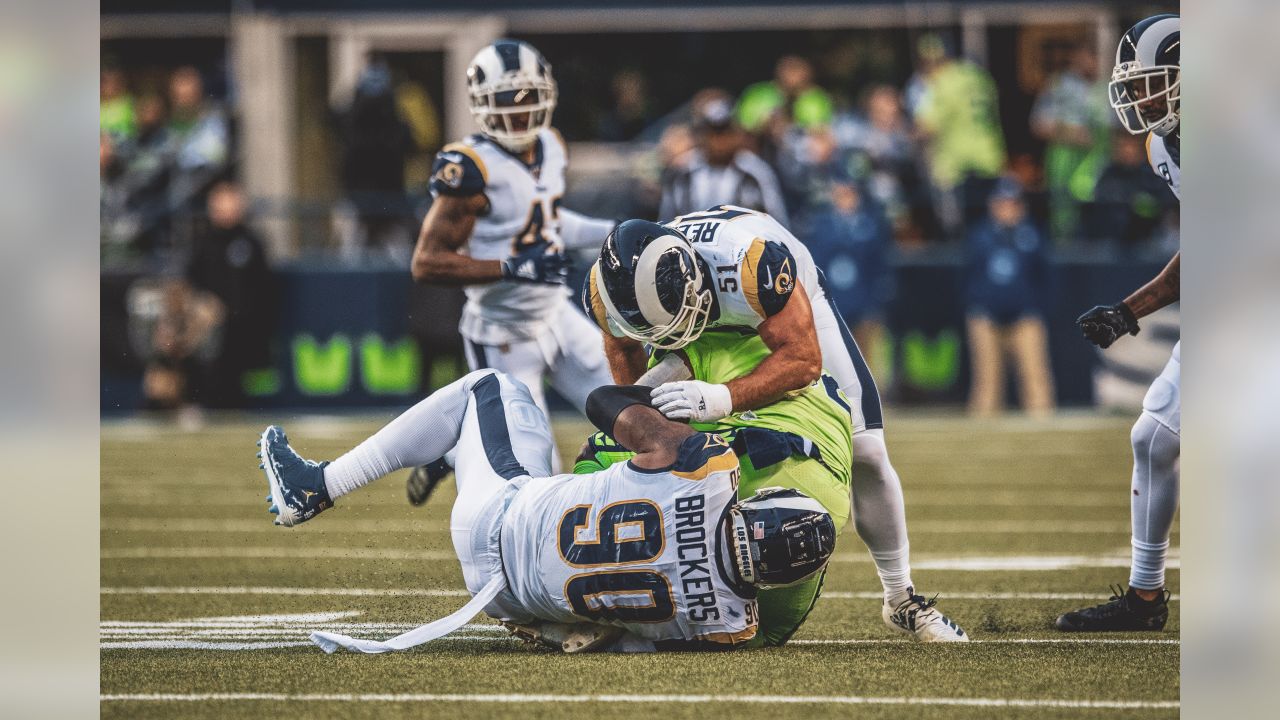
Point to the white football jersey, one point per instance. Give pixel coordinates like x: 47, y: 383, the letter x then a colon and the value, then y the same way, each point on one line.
x: 755, y: 263
x: 524, y: 203
x: 645, y: 550
x: 1164, y: 154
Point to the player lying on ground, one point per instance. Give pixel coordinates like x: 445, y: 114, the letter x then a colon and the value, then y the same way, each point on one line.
x: 742, y: 272
x: 657, y: 548
x: 1145, y: 93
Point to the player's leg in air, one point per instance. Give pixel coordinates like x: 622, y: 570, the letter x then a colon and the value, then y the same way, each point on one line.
x: 879, y: 513
x: 1153, y: 503
x: 523, y: 360
x: 490, y: 418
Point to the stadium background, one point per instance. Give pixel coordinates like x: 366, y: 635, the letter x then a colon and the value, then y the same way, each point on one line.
x: 343, y: 326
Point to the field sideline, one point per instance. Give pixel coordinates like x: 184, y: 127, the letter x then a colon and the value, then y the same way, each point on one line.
x: 205, y: 605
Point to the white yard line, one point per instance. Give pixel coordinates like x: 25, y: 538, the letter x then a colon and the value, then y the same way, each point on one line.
x: 266, y: 553
x: 431, y: 592
x: 945, y: 527
x: 964, y: 563
x: 647, y: 699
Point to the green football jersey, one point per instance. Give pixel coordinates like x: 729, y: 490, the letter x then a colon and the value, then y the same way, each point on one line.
x: 819, y: 412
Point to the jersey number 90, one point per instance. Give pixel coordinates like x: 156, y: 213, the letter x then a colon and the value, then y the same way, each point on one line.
x: 627, y: 533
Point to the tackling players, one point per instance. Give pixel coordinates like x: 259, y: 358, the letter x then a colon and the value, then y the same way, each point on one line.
x: 1145, y: 93
x: 657, y: 548
x: 496, y: 227
x: 740, y: 273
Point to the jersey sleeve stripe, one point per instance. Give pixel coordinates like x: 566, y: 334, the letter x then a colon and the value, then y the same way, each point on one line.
x: 717, y: 463
x: 471, y: 153
x: 750, y: 276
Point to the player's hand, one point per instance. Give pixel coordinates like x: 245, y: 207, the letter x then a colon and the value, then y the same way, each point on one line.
x: 1105, y: 324
x: 547, y: 265
x: 693, y: 401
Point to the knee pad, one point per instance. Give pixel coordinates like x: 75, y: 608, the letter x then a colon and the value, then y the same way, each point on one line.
x: 1146, y: 447
x: 870, y: 455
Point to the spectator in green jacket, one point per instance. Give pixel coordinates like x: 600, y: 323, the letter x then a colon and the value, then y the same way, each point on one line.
x: 1071, y: 115
x: 769, y: 109
x: 959, y: 117
x: 116, y: 115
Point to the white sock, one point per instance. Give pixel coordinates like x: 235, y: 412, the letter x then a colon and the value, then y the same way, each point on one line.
x: 1153, y: 500
x: 421, y: 434
x: 894, y: 569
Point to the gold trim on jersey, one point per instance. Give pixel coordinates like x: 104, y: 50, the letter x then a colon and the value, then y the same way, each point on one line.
x: 662, y: 529
x: 1150, y: 135
x: 725, y: 461
x: 750, y: 276
x: 471, y: 153
x: 597, y: 305
x: 727, y: 638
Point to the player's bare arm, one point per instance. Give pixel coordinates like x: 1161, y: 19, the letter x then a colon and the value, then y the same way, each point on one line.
x: 794, y: 362
x: 1163, y: 290
x: 438, y: 258
x: 627, y: 358
x: 1104, y: 324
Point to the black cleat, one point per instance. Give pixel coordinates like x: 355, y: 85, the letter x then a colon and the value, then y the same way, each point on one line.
x: 424, y: 479
x: 1125, y: 612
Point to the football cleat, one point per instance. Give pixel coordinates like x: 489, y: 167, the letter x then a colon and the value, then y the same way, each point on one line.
x: 424, y: 479
x: 918, y: 618
x: 297, y: 485
x: 1124, y: 612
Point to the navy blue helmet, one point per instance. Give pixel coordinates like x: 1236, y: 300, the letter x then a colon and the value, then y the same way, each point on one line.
x: 1144, y: 89
x: 780, y: 537
x: 651, y: 284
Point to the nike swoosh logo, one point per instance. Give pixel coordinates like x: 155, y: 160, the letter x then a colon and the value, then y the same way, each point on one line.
x: 452, y: 157
x: 769, y: 284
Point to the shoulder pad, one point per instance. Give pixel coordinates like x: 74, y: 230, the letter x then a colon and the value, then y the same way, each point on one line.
x: 702, y: 454
x: 769, y: 276
x: 458, y: 170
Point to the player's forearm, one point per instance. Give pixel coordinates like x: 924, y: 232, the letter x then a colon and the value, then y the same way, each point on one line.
x: 443, y: 267
x: 1163, y: 290
x: 627, y: 359
x: 780, y: 373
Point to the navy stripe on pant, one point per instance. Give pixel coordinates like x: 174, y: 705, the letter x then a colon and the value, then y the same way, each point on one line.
x: 871, y: 410
x: 492, y: 414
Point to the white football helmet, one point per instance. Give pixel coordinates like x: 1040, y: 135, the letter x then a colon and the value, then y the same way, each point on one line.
x: 1144, y: 89
x: 512, y: 93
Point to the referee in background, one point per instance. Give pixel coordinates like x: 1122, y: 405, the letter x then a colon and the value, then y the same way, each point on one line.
x: 720, y: 170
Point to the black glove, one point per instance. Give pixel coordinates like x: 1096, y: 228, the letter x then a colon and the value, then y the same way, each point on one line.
x: 1105, y: 324
x: 537, y: 264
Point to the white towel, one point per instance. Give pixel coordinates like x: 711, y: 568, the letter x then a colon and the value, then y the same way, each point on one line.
x: 330, y: 642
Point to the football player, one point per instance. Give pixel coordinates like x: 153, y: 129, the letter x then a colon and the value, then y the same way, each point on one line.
x: 740, y: 271
x: 496, y: 227
x: 1145, y: 93
x: 657, y: 547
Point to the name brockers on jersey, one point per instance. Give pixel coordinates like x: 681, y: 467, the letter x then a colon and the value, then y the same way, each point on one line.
x: 693, y: 550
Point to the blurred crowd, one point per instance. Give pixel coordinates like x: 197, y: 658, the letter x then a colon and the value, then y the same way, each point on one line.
x: 897, y: 171
x: 927, y: 164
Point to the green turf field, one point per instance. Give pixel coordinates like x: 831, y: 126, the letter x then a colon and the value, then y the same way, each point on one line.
x: 206, y: 606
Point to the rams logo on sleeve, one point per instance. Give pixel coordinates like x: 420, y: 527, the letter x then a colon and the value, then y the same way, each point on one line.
x: 458, y: 170
x: 769, y: 275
